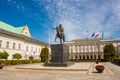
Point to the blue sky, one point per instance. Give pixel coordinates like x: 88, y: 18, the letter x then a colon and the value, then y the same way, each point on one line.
x: 80, y: 18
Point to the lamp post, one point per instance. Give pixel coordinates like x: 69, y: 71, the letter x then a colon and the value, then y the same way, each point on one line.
x: 25, y: 55
x: 99, y: 55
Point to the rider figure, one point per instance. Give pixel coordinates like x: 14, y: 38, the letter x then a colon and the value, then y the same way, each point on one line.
x: 59, y: 30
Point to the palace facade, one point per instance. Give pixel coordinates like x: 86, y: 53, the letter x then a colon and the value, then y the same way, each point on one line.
x: 90, y: 48
x: 19, y: 40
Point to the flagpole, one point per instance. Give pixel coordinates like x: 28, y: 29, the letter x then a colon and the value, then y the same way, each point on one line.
x: 102, y: 34
x: 87, y: 34
x: 49, y: 37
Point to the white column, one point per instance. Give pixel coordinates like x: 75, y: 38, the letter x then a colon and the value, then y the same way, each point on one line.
x: 89, y: 48
x: 78, y: 49
x: 85, y: 49
x: 81, y: 49
x: 73, y: 48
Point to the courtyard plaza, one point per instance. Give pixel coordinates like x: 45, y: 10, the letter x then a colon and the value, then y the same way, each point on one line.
x: 78, y: 71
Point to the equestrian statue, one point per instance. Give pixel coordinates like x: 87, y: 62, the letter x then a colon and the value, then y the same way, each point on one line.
x: 60, y: 33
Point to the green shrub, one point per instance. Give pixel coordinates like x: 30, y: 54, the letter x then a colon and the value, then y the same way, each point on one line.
x: 17, y: 56
x: 116, y: 61
x: 44, y: 54
x: 25, y: 61
x: 15, y: 62
x: 4, y: 55
x: 109, y: 52
x: 6, y: 62
x: 0, y: 55
x: 35, y: 61
x: 82, y: 60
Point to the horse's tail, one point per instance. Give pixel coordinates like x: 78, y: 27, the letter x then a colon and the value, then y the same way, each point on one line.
x: 63, y: 38
x: 55, y: 38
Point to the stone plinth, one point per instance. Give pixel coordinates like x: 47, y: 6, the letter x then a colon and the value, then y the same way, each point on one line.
x: 59, y: 55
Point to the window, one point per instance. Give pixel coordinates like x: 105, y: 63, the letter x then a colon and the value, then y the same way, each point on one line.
x: 96, y: 48
x: 81, y: 49
x: 26, y: 48
x: 13, y: 45
x: 91, y: 57
x: 86, y: 48
x: 78, y: 49
x: 0, y: 43
x: 36, y: 49
x: 89, y: 50
x: 71, y: 50
x: 39, y: 49
x: 32, y: 49
x: 79, y: 56
x: 93, y: 48
x: 76, y: 57
x: 7, y: 44
x: 19, y: 46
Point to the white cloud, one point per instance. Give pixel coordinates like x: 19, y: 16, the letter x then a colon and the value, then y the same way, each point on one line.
x: 116, y: 8
x: 19, y: 6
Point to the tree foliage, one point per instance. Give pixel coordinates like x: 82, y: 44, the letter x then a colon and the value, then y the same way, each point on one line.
x: 0, y: 55
x: 4, y: 55
x: 44, y: 54
x: 17, y: 56
x: 109, y: 52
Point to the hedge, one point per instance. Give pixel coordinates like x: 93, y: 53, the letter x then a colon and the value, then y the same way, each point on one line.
x: 116, y: 61
x: 15, y: 62
x: 85, y: 60
x: 76, y: 60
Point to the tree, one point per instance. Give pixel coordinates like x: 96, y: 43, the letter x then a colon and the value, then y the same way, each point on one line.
x: 109, y: 52
x: 44, y: 54
x: 4, y: 55
x: 17, y: 56
x: 0, y: 55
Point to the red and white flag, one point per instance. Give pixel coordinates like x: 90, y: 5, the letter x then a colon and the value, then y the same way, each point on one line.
x: 95, y: 35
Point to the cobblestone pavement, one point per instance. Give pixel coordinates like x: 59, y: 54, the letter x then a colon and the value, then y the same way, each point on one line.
x: 111, y: 73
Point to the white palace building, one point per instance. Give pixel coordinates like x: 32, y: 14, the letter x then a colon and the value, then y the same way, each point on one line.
x: 19, y: 40
x: 90, y: 48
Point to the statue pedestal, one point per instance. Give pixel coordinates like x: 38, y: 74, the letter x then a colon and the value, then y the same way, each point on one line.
x: 59, y: 56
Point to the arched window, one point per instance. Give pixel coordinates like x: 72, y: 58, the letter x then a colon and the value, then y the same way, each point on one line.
x: 83, y: 56
x: 94, y: 56
x: 71, y: 57
x: 87, y: 56
x: 79, y: 56
x: 76, y: 57
x: 91, y: 57
x: 99, y: 57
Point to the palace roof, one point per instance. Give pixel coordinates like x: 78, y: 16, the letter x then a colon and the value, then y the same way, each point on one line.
x: 24, y: 30
x: 11, y: 28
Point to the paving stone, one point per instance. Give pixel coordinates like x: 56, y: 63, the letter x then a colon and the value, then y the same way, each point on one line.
x: 10, y: 73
